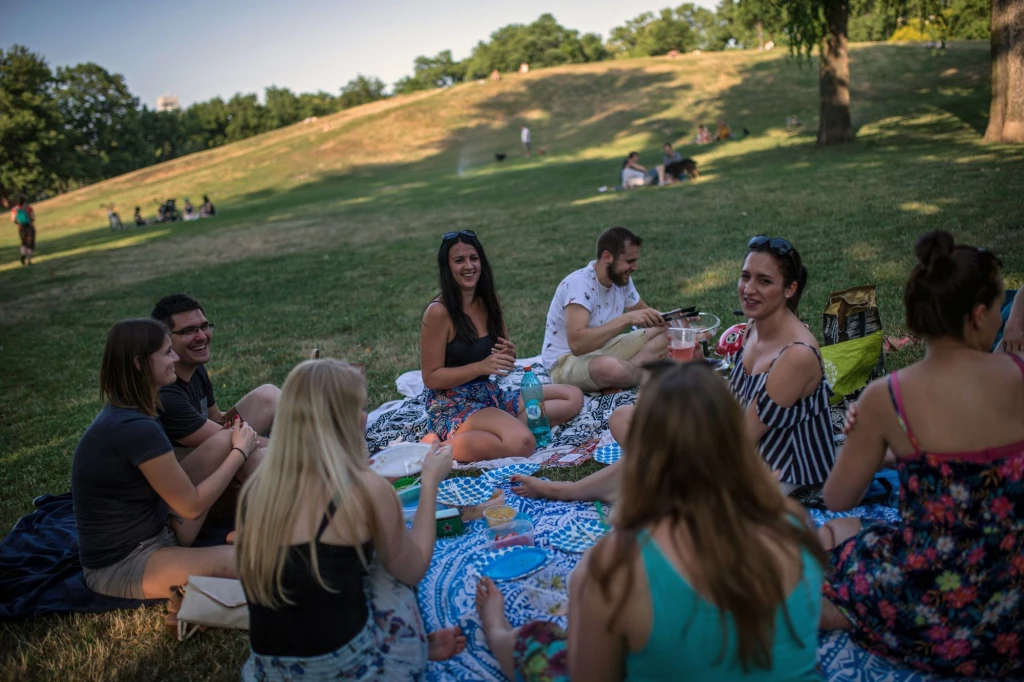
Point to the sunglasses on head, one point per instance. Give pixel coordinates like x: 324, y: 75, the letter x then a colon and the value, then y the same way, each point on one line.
x: 778, y: 245
x: 448, y: 236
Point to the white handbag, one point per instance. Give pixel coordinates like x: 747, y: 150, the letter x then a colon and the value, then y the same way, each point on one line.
x: 212, y: 602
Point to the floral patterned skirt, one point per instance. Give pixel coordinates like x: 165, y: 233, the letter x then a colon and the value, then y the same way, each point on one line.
x: 448, y: 409
x: 391, y: 647
x: 540, y: 653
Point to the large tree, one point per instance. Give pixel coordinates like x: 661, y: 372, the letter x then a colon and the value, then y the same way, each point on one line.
x: 362, y: 90
x: 29, y: 124
x: 1006, y: 115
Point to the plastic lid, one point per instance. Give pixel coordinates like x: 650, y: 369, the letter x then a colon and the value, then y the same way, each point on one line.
x: 528, y: 368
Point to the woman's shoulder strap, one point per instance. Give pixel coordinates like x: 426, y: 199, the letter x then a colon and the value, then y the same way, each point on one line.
x: 332, y: 509
x: 797, y: 343
x: 896, y: 396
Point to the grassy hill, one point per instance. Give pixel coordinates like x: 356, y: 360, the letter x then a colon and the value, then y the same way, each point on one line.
x: 327, y: 232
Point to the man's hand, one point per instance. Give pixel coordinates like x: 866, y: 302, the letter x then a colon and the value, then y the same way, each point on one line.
x: 644, y: 318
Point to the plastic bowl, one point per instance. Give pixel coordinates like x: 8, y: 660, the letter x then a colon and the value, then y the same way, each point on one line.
x: 515, y: 534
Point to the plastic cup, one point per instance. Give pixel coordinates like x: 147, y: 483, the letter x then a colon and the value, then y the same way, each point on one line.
x: 681, y: 342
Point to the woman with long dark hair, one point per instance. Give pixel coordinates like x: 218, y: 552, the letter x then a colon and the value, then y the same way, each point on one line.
x: 941, y: 590
x: 463, y: 343
x: 137, y: 508
x: 709, y: 572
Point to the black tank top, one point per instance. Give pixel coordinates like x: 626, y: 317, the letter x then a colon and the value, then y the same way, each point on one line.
x: 319, y: 621
x: 459, y: 353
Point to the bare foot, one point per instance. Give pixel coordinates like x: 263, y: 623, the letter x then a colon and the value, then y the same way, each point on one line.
x: 490, y: 604
x: 529, y: 486
x: 430, y: 438
x: 443, y: 644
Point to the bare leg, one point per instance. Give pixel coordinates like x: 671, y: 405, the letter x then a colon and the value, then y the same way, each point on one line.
x: 661, y: 174
x: 491, y: 434
x: 257, y: 407
x: 208, y: 457
x: 501, y: 636
x: 619, y: 422
x: 561, y: 403
x: 173, y: 565
x: 601, y: 485
x: 608, y: 371
x: 832, y: 618
x: 838, y: 531
x: 655, y: 349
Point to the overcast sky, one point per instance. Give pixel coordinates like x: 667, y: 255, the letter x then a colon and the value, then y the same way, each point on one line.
x: 198, y: 50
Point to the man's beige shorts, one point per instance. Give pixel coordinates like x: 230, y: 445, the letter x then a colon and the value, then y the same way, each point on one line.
x: 575, y: 371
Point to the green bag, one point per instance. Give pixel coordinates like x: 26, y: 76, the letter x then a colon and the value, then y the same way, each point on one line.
x: 848, y: 365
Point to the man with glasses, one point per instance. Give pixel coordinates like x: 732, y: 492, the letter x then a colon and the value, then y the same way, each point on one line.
x: 189, y: 411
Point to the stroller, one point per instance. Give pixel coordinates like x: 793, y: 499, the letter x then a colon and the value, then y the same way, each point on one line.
x: 166, y: 211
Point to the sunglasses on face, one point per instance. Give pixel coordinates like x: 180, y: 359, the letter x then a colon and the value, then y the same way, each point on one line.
x: 778, y: 245
x: 448, y: 236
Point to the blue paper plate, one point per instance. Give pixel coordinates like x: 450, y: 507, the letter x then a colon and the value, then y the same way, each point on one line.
x: 512, y: 563
x: 464, y: 492
x: 577, y: 536
x: 608, y: 454
x: 505, y: 473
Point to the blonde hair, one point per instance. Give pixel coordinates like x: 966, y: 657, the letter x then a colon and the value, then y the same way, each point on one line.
x: 318, y: 449
x: 691, y: 463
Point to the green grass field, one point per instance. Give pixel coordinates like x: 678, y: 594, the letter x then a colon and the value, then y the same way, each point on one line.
x: 327, y: 235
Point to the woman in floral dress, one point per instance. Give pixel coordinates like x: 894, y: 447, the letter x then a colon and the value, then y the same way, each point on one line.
x: 942, y: 590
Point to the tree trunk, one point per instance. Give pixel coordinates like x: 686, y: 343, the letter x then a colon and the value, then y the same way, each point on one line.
x: 1006, y: 114
x: 834, y: 126
x: 760, y: 36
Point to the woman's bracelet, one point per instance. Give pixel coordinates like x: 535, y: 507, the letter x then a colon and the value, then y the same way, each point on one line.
x: 244, y: 456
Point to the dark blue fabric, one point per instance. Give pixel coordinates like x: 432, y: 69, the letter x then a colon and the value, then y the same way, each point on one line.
x: 1007, y: 304
x: 40, y: 571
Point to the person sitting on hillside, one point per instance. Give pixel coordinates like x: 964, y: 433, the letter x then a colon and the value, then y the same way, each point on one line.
x: 940, y: 590
x: 463, y: 342
x: 703, y: 135
x: 206, y: 209
x: 709, y: 573
x: 139, y: 220
x: 678, y: 167
x: 328, y: 567
x: 723, y: 133
x: 137, y: 508
x: 188, y: 409
x: 635, y: 175
x: 190, y: 210
x: 778, y: 377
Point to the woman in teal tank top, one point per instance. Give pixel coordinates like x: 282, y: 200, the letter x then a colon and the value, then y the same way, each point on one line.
x: 709, y: 572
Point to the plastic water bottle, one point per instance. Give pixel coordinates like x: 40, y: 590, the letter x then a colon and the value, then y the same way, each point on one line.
x: 533, y: 398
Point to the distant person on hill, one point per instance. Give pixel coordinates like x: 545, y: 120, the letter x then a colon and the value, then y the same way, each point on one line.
x: 703, y: 135
x: 584, y: 343
x: 24, y: 217
x: 139, y: 220
x: 677, y: 166
x: 526, y: 140
x: 188, y: 408
x: 723, y: 133
x: 635, y: 175
x: 190, y: 210
x: 207, y: 209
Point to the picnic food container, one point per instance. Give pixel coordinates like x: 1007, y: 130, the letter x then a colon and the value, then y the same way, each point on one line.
x: 499, y: 515
x: 475, y: 512
x: 518, y: 532
x: 449, y: 523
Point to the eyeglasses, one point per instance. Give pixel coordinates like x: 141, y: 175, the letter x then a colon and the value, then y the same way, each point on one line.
x: 778, y: 245
x: 205, y: 327
x: 448, y: 236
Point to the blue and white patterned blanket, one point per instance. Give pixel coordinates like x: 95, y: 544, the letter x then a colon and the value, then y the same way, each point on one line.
x: 447, y: 598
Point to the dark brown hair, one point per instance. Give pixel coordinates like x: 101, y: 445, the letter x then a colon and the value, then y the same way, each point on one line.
x: 690, y: 463
x: 792, y: 268
x: 614, y: 240
x: 947, y: 282
x: 169, y: 306
x: 123, y: 383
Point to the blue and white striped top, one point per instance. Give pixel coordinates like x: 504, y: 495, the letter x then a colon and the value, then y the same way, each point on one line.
x: 799, y: 441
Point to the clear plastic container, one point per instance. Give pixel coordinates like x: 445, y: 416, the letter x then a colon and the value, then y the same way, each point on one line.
x: 518, y: 533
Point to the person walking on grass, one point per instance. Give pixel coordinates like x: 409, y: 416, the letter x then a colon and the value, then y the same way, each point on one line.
x: 584, y: 343
x: 137, y: 508
x: 24, y: 217
x: 525, y: 138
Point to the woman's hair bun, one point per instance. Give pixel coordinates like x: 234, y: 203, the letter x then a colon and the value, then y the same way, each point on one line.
x: 934, y: 250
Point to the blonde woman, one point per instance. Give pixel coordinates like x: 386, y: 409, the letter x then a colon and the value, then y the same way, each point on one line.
x: 322, y: 550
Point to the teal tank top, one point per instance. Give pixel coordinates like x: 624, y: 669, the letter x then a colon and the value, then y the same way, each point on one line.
x: 686, y: 635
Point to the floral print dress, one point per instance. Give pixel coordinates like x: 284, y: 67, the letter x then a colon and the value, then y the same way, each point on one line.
x: 942, y: 591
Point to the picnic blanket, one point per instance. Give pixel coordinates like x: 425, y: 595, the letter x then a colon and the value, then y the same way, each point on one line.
x: 572, y: 443
x: 39, y: 567
x: 447, y: 593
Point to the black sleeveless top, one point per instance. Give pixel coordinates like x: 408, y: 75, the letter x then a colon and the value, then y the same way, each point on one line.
x: 459, y: 353
x: 319, y: 621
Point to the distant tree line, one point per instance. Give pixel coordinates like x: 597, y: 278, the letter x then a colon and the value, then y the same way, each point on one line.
x: 80, y: 124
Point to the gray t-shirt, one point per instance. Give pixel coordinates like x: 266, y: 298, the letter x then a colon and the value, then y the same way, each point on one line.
x: 184, y: 405
x: 666, y: 159
x: 115, y: 507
